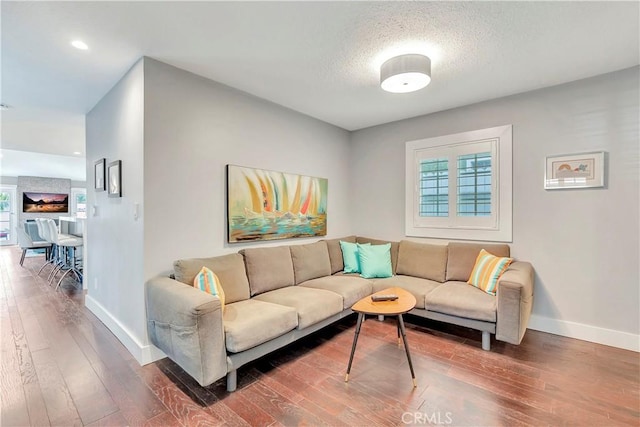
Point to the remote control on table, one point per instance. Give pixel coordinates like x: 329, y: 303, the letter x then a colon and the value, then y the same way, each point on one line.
x: 384, y: 297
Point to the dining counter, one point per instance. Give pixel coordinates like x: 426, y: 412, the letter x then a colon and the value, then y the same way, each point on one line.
x: 72, y: 225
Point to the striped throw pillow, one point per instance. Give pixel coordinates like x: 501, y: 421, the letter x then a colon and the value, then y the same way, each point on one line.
x: 207, y: 281
x: 487, y: 271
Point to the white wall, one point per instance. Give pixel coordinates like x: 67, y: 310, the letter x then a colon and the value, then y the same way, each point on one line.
x: 194, y: 127
x: 175, y: 132
x: 114, y: 263
x: 584, y: 244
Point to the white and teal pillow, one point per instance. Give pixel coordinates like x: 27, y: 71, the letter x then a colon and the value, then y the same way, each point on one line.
x: 375, y: 261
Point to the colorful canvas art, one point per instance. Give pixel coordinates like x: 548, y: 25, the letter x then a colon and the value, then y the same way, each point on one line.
x: 269, y: 205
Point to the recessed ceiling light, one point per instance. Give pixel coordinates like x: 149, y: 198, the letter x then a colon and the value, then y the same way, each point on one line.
x: 77, y: 153
x: 79, y: 44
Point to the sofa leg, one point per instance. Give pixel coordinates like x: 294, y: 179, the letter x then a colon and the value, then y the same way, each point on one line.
x: 486, y: 340
x: 232, y: 381
x: 380, y: 318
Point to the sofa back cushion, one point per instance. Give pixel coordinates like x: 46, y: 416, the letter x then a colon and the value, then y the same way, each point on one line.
x: 422, y: 260
x: 335, y: 252
x: 229, y: 269
x: 394, y: 249
x: 462, y: 257
x: 268, y: 268
x: 310, y: 261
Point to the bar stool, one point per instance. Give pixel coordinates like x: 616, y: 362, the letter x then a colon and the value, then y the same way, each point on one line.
x: 66, y: 244
x: 27, y: 240
x: 43, y: 231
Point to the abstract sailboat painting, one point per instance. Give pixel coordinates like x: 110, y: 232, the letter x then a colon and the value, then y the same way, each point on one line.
x: 269, y: 205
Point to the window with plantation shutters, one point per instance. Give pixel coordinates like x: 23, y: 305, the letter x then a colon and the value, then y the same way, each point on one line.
x: 459, y: 186
x: 474, y: 185
x: 434, y: 187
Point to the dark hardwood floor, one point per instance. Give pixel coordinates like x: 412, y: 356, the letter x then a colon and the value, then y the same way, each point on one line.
x: 61, y: 366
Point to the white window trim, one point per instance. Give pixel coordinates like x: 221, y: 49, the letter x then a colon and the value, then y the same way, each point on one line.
x: 498, y: 228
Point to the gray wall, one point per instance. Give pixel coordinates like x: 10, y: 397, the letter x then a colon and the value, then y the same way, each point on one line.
x: 114, y: 262
x: 41, y: 185
x: 194, y: 127
x: 582, y: 243
x: 175, y: 132
x: 9, y: 180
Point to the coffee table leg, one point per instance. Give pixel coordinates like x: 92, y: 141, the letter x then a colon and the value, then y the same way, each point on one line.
x: 406, y: 348
x: 398, y: 328
x: 353, y: 347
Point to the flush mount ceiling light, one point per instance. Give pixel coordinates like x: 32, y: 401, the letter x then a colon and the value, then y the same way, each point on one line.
x: 79, y: 44
x: 405, y: 73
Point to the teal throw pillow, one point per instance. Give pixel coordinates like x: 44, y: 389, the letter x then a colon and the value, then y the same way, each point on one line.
x: 375, y: 260
x: 350, y: 256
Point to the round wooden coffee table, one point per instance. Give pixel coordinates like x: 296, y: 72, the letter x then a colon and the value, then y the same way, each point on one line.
x: 402, y: 305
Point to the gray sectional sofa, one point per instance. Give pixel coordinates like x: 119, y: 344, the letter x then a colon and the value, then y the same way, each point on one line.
x: 277, y: 295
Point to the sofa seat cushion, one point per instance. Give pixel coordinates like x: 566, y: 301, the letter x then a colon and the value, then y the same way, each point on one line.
x: 460, y: 299
x: 312, y: 305
x: 342, y: 273
x: 351, y: 287
x: 250, y: 323
x: 418, y: 287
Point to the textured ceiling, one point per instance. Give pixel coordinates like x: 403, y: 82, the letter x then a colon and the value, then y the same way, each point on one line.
x: 319, y: 58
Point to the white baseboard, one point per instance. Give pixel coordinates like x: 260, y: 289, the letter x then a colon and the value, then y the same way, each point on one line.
x: 584, y: 332
x: 144, y: 354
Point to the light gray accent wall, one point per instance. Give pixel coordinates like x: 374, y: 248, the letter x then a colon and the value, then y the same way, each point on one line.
x: 13, y: 180
x: 114, y: 262
x: 582, y: 243
x: 194, y: 127
x: 38, y: 184
x: 175, y: 132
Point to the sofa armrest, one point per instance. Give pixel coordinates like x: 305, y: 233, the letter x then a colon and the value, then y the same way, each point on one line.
x: 187, y: 325
x: 515, y: 299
